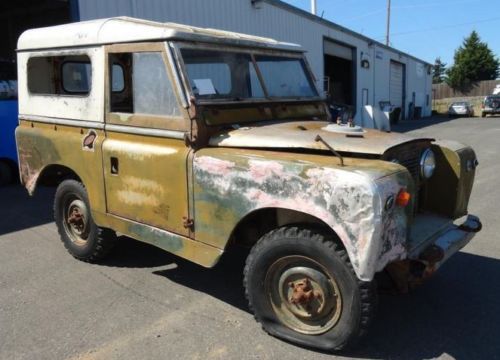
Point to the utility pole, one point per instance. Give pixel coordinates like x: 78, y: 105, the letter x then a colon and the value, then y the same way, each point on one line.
x: 387, y: 42
x: 313, y: 7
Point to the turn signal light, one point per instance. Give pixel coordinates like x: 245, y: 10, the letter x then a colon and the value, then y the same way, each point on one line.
x: 403, y: 198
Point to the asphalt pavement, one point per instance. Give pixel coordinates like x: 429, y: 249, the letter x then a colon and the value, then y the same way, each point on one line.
x: 143, y: 303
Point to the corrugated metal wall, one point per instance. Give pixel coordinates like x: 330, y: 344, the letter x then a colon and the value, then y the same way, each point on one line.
x: 271, y: 21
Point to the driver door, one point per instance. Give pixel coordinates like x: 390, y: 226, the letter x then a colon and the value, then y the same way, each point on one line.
x: 145, y: 156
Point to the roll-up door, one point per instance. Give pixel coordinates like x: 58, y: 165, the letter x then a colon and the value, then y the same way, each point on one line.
x: 396, y: 84
x: 335, y: 49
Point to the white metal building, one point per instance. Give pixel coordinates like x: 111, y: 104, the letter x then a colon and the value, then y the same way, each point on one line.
x: 358, y: 70
x: 354, y: 69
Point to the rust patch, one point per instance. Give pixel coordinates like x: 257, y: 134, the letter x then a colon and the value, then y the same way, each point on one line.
x: 89, y: 140
x: 303, y: 292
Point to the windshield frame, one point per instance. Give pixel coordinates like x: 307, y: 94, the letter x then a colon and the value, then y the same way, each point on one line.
x: 177, y: 46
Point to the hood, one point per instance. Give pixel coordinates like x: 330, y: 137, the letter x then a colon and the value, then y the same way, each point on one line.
x: 302, y: 135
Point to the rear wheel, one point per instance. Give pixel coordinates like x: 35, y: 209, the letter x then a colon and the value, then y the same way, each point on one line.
x: 483, y: 114
x: 302, y: 288
x: 6, y: 174
x: 80, y: 235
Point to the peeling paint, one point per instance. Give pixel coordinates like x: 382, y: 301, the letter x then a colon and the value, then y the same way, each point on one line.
x: 213, y: 165
x: 263, y: 170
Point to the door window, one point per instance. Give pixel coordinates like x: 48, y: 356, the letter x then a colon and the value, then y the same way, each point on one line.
x: 140, y: 85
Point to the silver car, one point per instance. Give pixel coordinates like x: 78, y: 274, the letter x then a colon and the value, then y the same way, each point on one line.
x: 462, y: 108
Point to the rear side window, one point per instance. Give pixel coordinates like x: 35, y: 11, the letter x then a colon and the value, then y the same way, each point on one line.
x: 60, y: 75
x: 118, y: 78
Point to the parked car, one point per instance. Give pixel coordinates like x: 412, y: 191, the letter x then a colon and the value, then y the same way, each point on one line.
x: 196, y: 140
x: 490, y: 105
x: 496, y: 90
x: 461, y: 108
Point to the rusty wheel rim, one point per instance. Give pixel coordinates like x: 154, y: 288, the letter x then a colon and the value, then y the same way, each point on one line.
x: 76, y: 221
x: 303, y: 295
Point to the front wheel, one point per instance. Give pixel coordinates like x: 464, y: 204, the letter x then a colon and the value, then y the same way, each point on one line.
x: 302, y: 288
x: 80, y: 235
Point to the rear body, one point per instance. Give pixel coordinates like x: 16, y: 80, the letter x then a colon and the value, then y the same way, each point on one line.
x: 197, y: 140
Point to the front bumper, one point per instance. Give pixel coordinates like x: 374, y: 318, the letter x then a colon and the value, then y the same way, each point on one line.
x: 447, y: 243
x: 423, y: 262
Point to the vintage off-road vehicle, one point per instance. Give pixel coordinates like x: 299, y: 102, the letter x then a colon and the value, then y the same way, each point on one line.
x: 195, y: 140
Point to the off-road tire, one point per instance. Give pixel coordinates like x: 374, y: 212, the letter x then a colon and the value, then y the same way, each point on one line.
x: 483, y: 115
x: 99, y: 241
x: 359, y: 297
x: 6, y: 174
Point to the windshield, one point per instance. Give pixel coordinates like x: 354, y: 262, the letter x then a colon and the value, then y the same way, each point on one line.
x: 233, y: 76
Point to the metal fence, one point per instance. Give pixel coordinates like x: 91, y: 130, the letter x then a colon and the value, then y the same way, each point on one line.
x: 482, y: 88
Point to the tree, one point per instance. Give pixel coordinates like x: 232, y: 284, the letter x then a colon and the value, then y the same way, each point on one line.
x: 473, y: 62
x: 438, y: 71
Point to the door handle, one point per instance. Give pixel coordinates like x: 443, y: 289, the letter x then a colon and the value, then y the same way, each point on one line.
x: 114, y: 165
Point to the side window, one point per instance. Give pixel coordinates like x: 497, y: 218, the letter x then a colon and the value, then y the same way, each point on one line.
x: 60, y: 75
x: 140, y: 85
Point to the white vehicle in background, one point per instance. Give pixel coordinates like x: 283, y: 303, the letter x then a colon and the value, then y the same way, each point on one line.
x: 496, y: 90
x: 490, y: 105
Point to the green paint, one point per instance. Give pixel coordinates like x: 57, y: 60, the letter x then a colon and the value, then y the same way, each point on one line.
x: 162, y: 239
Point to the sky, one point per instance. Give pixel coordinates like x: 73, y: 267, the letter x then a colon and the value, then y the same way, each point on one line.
x: 426, y: 29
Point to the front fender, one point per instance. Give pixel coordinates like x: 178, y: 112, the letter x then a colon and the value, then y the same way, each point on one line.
x: 229, y: 184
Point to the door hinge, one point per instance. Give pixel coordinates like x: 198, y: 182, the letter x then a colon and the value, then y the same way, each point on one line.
x: 187, y: 222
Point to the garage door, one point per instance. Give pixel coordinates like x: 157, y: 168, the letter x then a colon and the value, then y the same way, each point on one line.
x: 396, y: 84
x: 335, y: 49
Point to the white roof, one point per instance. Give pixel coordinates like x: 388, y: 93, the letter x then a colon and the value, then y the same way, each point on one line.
x: 126, y: 29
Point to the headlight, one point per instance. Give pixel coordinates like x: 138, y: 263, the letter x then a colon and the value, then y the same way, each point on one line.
x: 427, y: 164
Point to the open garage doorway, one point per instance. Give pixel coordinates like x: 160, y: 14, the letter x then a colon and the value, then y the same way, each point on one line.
x: 20, y: 15
x: 16, y: 16
x: 340, y: 74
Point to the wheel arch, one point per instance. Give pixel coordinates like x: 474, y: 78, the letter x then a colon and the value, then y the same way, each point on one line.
x: 261, y: 221
x: 50, y: 175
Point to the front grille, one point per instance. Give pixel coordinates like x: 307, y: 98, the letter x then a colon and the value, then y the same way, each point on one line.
x: 408, y: 155
x: 411, y: 161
